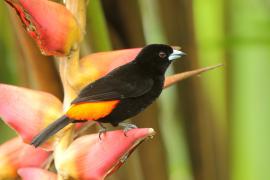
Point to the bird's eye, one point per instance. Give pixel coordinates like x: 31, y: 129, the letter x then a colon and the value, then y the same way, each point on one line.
x: 162, y: 54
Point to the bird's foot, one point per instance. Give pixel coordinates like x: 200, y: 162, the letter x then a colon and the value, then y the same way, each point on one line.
x: 127, y: 127
x: 101, y: 131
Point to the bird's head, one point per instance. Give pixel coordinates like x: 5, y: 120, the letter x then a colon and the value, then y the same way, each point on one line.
x: 158, y: 56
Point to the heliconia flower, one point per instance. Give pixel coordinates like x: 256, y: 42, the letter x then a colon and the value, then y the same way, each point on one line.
x: 50, y: 24
x: 88, y: 157
x: 28, y: 111
x: 14, y: 154
x: 36, y: 173
x: 104, y: 62
x: 96, y: 65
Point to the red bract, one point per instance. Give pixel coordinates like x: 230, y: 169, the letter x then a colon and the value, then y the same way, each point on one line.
x: 99, y: 64
x: 14, y: 154
x: 96, y: 65
x: 52, y: 26
x: 36, y: 173
x: 88, y: 157
x: 28, y: 111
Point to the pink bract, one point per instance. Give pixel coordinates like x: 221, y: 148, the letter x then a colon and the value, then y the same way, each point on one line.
x: 36, y: 173
x: 28, y: 111
x: 14, y: 154
x: 50, y: 24
x: 88, y: 157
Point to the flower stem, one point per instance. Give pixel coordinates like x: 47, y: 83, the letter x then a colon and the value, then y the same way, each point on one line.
x: 78, y: 9
x: 69, y: 67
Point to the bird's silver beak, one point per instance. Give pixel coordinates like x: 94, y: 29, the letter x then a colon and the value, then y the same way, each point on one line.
x: 176, y: 54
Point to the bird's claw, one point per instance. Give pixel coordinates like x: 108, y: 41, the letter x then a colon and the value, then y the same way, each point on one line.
x: 100, y: 132
x: 127, y: 127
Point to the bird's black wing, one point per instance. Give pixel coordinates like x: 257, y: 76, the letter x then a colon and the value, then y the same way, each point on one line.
x: 115, y: 88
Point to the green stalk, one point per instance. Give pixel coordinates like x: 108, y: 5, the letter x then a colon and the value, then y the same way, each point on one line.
x: 69, y: 66
x: 250, y: 86
x: 97, y: 27
x: 7, y: 49
x: 209, y: 26
x: 172, y: 130
x: 209, y: 30
x: 152, y: 24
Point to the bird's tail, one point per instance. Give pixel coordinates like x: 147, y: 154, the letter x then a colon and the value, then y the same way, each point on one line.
x: 51, y: 130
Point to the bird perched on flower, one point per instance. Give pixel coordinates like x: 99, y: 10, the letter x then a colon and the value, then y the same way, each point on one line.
x: 121, y: 94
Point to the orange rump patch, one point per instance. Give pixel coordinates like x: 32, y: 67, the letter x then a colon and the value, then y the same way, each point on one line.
x: 91, y: 110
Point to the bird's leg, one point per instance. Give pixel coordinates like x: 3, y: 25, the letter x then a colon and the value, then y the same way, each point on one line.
x: 127, y: 127
x: 101, y: 130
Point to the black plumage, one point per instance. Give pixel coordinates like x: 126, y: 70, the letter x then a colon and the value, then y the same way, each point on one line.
x: 136, y: 84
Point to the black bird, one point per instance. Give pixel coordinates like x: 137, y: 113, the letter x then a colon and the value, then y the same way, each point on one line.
x: 121, y: 94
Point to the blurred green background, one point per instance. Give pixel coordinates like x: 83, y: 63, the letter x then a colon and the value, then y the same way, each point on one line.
x: 212, y: 127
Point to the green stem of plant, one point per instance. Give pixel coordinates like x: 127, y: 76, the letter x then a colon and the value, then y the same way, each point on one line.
x: 98, y: 30
x: 211, y: 50
x: 7, y: 50
x: 248, y: 74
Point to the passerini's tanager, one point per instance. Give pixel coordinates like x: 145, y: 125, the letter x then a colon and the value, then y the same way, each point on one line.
x: 121, y: 94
